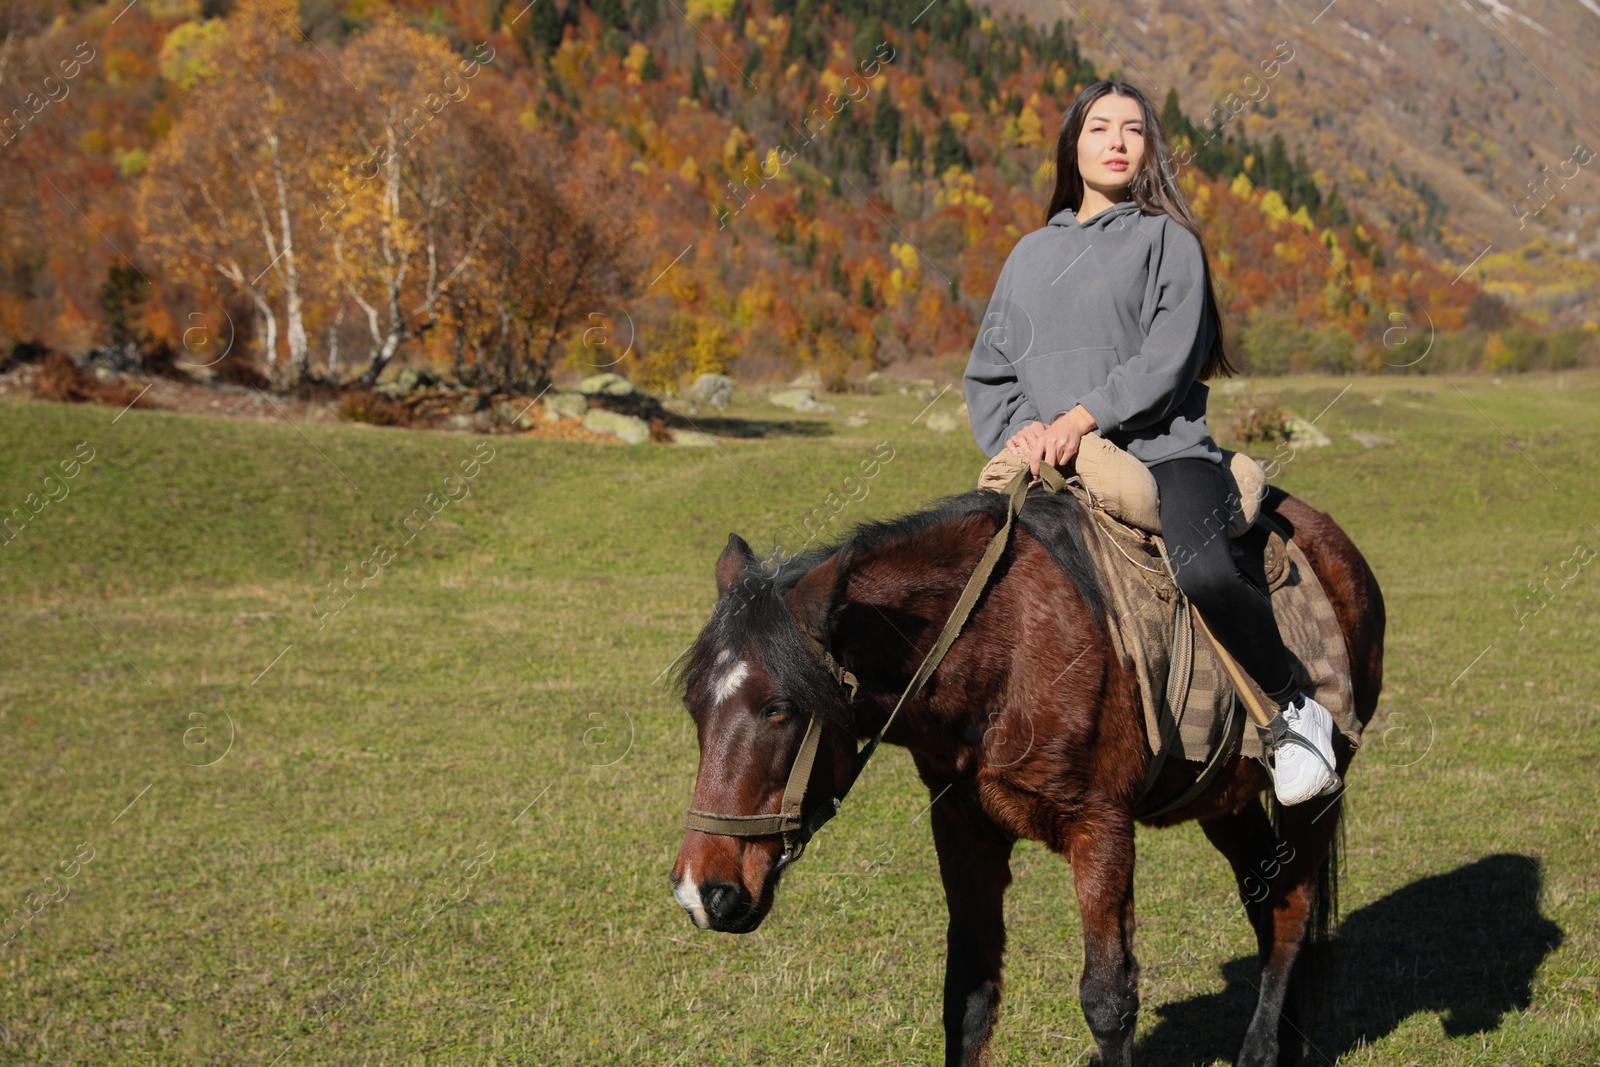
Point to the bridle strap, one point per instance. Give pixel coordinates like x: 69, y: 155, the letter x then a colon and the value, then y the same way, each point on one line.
x: 788, y: 819
x: 796, y: 828
x: 1015, y: 491
x: 845, y: 679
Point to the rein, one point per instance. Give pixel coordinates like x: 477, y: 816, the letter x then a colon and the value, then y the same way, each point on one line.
x: 792, y: 822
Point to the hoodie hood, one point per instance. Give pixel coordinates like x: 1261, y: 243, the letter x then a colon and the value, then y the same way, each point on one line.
x: 1066, y: 217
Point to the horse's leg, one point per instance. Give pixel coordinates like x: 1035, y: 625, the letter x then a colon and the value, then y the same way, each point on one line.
x: 1101, y: 853
x: 1246, y: 841
x: 975, y: 865
x: 1277, y: 881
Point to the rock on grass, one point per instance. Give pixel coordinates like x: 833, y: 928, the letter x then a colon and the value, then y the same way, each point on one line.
x: 635, y: 431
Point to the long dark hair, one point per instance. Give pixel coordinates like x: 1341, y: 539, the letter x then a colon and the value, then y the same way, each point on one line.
x: 1154, y: 188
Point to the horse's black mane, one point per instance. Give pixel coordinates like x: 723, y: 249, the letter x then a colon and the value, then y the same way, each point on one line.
x: 1061, y: 523
x: 1057, y: 520
x: 752, y: 614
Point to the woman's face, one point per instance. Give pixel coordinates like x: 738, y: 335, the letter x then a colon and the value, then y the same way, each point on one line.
x: 1111, y: 145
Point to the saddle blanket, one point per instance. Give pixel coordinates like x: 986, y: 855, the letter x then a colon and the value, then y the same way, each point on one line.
x: 1183, y: 686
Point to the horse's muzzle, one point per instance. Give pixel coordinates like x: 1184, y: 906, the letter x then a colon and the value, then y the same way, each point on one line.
x: 720, y: 906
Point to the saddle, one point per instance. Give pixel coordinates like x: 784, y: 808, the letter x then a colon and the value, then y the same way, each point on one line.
x: 1191, y: 707
x: 1124, y: 488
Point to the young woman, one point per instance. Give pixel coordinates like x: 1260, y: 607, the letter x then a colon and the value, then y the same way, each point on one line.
x: 1105, y: 319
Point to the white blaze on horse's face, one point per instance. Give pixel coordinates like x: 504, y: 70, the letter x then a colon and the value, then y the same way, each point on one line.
x: 687, y: 894
x: 727, y: 683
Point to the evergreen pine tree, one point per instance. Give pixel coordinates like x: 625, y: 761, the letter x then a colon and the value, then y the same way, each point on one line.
x: 1338, y: 214
x: 611, y: 13
x: 886, y: 125
x: 642, y: 14
x: 1173, y: 120
x: 544, y: 30
x: 120, y: 297
x: 697, y: 77
x: 948, y: 150
x: 1279, y: 174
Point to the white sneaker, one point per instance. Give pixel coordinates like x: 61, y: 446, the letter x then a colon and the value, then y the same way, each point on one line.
x: 1301, y: 749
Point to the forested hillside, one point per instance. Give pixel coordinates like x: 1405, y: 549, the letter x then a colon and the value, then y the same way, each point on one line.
x: 651, y: 186
x: 1469, y: 125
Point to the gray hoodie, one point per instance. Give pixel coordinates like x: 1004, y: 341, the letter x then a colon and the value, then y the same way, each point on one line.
x: 1110, y: 313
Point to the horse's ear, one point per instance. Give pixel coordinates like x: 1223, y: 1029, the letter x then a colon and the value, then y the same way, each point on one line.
x: 817, y: 597
x: 736, y: 555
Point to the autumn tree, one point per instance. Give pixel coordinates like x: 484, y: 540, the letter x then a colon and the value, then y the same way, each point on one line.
x: 231, y: 191
x: 405, y: 223
x: 560, y: 255
x: 43, y: 266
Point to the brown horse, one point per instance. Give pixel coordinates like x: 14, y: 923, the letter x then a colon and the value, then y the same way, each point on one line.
x: 1035, y: 661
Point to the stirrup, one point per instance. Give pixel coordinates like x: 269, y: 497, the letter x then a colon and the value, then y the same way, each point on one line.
x: 1278, y: 731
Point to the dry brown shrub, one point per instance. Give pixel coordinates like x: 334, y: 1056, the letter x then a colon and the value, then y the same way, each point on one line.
x: 317, y: 391
x: 61, y: 380
x: 1258, y: 420
x: 363, y: 405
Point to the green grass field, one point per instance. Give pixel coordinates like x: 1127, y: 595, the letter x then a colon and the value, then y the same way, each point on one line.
x: 436, y: 826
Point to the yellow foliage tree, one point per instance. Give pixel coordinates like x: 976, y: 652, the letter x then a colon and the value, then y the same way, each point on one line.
x: 1030, y: 128
x: 685, y: 345
x: 403, y: 225
x: 1496, y: 356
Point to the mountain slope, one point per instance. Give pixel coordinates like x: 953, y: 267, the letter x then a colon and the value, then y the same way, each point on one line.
x: 1403, y: 102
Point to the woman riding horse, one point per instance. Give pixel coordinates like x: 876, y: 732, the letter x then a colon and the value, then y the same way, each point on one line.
x: 805, y: 657
x: 1105, y: 320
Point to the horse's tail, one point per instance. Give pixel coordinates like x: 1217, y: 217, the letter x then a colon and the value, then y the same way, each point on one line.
x: 1311, y: 990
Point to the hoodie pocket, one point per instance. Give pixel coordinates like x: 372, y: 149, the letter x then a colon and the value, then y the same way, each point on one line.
x: 1055, y: 381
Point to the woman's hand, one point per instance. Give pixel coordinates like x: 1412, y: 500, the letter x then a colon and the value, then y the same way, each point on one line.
x: 1057, y: 443
x: 1024, y: 437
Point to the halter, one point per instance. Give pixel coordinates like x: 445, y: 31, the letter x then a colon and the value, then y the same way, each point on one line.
x: 791, y: 822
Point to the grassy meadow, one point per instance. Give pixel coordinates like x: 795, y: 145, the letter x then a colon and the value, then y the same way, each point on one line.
x: 430, y: 821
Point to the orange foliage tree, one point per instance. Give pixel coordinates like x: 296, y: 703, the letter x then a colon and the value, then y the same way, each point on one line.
x: 230, y: 191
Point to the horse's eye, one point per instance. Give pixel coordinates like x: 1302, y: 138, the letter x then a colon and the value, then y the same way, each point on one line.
x: 777, y: 709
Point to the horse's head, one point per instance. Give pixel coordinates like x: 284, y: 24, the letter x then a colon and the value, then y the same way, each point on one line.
x: 754, y: 685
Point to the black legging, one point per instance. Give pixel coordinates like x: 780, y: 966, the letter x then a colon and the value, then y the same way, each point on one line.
x: 1194, y: 523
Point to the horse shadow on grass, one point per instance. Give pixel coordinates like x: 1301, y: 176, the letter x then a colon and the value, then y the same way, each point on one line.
x: 1465, y: 944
